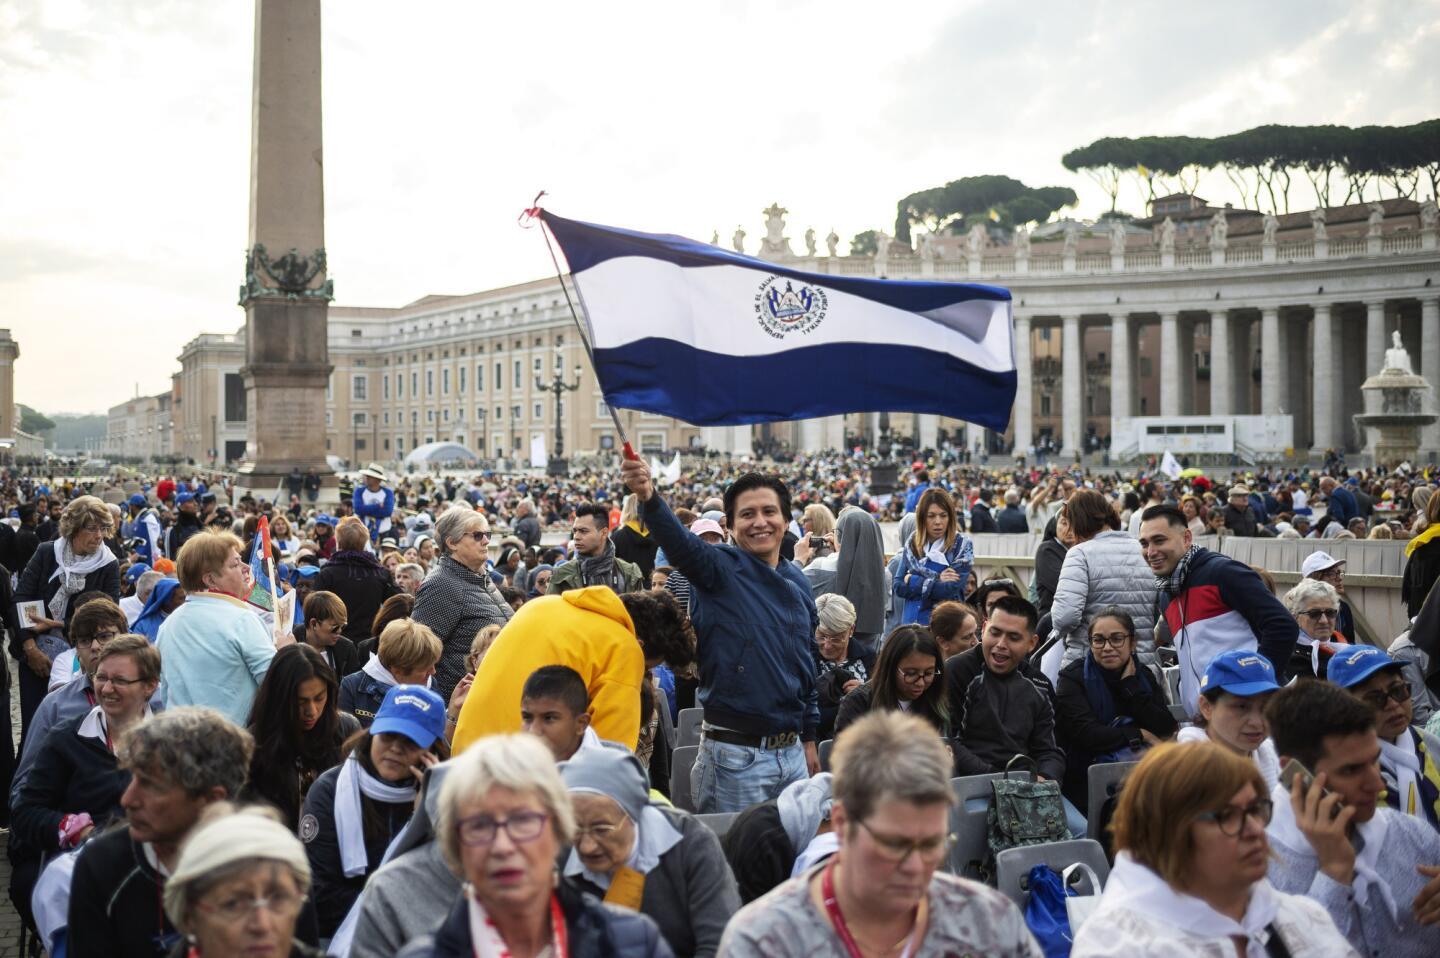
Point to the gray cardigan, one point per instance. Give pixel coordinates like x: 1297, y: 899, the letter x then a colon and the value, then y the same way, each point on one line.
x: 1409, y: 841
x: 1105, y: 570
x: 405, y: 899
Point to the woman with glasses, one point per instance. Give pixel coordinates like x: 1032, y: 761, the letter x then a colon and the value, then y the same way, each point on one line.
x: 238, y: 888
x: 882, y: 893
x: 908, y: 677
x: 504, y: 817
x: 1189, y: 877
x: 1234, y: 691
x: 353, y: 812
x: 841, y: 665
x: 1109, y: 705
x: 58, y: 573
x: 1316, y: 608
x: 460, y: 598
x: 649, y: 858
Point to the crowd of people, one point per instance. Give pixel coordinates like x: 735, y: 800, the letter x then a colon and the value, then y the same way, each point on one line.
x: 463, y: 739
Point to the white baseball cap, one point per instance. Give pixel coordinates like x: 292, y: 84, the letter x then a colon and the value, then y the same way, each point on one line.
x: 1318, y: 562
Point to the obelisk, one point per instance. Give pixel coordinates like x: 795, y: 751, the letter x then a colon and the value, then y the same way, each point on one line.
x: 286, y: 293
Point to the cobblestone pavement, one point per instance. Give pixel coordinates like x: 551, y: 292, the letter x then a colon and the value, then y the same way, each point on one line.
x: 9, y: 920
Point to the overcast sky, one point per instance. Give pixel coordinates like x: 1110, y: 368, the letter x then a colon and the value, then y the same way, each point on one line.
x: 125, y: 134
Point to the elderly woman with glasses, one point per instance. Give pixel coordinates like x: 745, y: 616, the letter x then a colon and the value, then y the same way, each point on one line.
x: 882, y: 893
x: 238, y: 888
x: 909, y: 676
x: 460, y: 598
x: 1316, y: 608
x: 58, y: 573
x: 1109, y: 705
x: 841, y: 665
x: 504, y: 817
x: 1189, y: 877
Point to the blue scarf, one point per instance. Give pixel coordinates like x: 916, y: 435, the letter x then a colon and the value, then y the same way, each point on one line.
x: 148, y: 624
x: 1097, y: 692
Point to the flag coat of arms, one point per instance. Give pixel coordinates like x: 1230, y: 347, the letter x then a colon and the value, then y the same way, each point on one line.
x: 682, y: 328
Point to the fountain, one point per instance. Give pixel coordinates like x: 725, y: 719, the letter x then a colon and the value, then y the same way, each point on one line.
x: 1402, y: 401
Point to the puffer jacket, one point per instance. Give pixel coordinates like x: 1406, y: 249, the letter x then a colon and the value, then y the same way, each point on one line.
x: 1106, y: 570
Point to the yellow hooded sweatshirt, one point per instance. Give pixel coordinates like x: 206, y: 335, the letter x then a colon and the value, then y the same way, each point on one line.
x: 588, y: 630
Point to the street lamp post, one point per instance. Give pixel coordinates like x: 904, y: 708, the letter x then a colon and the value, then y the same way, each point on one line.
x: 557, y: 466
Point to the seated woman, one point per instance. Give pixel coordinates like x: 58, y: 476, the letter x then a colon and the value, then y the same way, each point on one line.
x: 509, y: 784
x: 1109, y: 706
x: 298, y: 729
x: 841, y: 665
x: 1189, y: 880
x: 908, y: 677
x: 776, y: 840
x: 1316, y: 608
x: 1234, y: 691
x: 354, y: 812
x: 653, y: 859
x: 407, y: 655
x: 239, y: 887
x: 935, y: 563
x: 165, y: 597
x: 955, y: 626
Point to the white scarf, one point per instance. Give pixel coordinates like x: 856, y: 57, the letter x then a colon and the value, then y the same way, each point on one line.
x: 485, y: 937
x: 935, y: 552
x: 1402, y: 761
x: 1135, y: 888
x: 376, y: 671
x: 349, y: 820
x: 1285, y: 831
x: 71, y: 570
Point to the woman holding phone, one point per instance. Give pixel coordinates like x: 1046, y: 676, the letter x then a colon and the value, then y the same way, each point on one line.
x: 935, y: 563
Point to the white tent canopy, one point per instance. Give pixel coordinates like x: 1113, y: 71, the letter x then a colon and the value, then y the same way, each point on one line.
x: 439, y: 452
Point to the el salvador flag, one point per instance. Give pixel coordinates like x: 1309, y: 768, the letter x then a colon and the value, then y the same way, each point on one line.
x: 716, y: 338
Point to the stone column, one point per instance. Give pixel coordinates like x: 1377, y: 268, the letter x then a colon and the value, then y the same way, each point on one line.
x: 1121, y: 388
x: 1325, y: 377
x: 1072, y: 357
x: 1274, y: 371
x: 811, y: 435
x: 1374, y: 336
x: 1169, y: 364
x: 927, y: 430
x: 1222, y: 365
x: 1430, y: 369
x: 286, y: 293
x: 1024, y: 389
x: 834, y: 432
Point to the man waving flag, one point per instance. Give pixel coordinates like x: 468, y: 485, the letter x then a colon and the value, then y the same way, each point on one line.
x: 715, y: 338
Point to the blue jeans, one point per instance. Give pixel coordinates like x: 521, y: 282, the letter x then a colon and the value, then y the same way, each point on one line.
x: 731, y: 778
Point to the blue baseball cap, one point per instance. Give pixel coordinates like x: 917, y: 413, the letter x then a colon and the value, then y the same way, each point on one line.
x: 324, y: 520
x: 137, y: 500
x: 136, y: 571
x: 412, y: 711
x: 1353, y: 665
x: 183, y: 497
x: 1241, y: 672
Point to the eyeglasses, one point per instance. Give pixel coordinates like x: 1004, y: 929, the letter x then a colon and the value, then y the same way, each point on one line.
x: 920, y: 675
x: 479, y: 535
x: 102, y: 679
x: 99, y: 638
x: 599, y: 832
x: 1379, y: 698
x: 826, y: 638
x: 238, y: 908
x: 521, y: 827
x: 1329, y: 574
x: 1116, y: 640
x: 1231, y: 818
x: 1321, y: 613
x: 895, y: 851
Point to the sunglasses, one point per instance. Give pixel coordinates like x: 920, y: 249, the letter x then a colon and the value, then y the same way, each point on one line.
x: 1379, y: 698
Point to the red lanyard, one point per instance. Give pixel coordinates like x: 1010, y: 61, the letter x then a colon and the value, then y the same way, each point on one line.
x: 559, y: 947
x: 832, y: 909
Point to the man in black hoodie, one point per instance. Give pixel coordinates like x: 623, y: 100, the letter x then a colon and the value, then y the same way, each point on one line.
x: 187, y: 523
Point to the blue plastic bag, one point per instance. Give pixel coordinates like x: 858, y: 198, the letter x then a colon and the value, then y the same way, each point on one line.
x: 1045, y: 912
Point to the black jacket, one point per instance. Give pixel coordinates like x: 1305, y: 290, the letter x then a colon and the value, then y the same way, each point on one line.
x: 330, y: 890
x: 527, y: 530
x: 1241, y: 522
x: 1012, y: 519
x: 996, y: 717
x: 346, y: 658
x: 35, y: 583
x: 361, y: 695
x: 830, y: 686
x: 71, y: 774
x: 591, y: 928
x: 180, y: 532
x: 858, y: 704
x: 633, y: 547
x: 1084, y: 736
x: 1422, y: 568
x: 115, y: 902
x: 362, y: 583
x: 981, y: 520
x: 758, y: 850
x: 1049, y: 557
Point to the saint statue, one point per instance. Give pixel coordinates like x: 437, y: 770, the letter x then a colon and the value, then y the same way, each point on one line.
x: 810, y: 241
x: 1071, y: 239
x: 1219, y: 230
x: 1377, y: 217
x: 1022, y: 241
x: 832, y: 242
x: 1167, y: 236
x: 1429, y: 214
x: 1117, y: 238
x: 927, y: 247
x: 1397, y: 357
x: 1317, y: 224
x: 882, y: 245
x: 975, y: 241
x: 715, y: 238
x: 775, y: 243
x: 1271, y: 225
x: 738, y: 240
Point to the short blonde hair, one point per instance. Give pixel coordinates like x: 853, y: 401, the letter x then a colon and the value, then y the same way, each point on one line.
x: 203, y: 554
x: 407, y: 645
x: 1162, y: 796
x: 837, y: 613
x: 519, y: 762
x: 83, y: 511
x: 324, y: 607
x: 480, y: 645
x: 351, y: 534
x: 1307, y: 589
x: 821, y: 519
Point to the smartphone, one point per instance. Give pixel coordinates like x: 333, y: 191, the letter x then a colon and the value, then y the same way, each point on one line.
x: 817, y: 542
x: 1294, y: 770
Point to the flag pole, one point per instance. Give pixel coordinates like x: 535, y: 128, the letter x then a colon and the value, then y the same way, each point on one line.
x: 536, y: 212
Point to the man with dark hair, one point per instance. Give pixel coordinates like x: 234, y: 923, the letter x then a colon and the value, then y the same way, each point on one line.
x: 1211, y: 602
x: 755, y: 622
x: 595, y: 562
x: 180, y: 762
x: 1375, y: 871
x: 555, y: 705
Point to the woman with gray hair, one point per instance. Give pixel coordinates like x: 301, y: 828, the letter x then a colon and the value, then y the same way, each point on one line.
x: 882, y: 891
x: 841, y: 663
x: 1316, y: 608
x: 459, y: 598
x: 238, y: 888
x: 504, y: 817
x: 76, y: 562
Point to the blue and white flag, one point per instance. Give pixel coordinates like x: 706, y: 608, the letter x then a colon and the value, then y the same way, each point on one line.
x: 715, y: 338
